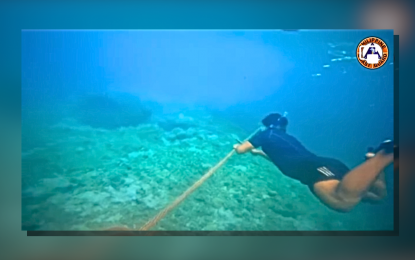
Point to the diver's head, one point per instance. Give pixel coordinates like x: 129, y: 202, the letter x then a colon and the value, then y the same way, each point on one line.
x: 276, y: 121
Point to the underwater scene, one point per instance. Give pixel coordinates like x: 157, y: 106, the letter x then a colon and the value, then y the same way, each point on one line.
x: 118, y: 124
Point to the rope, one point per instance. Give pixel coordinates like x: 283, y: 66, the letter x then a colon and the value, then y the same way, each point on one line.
x: 151, y: 223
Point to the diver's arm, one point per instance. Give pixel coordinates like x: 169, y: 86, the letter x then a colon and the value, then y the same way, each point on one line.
x: 246, y: 147
x: 243, y: 148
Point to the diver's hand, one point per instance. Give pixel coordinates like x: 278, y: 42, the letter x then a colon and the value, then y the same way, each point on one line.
x: 261, y: 153
x: 235, y: 146
x: 256, y: 152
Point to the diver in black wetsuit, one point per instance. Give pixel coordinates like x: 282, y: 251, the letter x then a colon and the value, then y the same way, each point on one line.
x: 330, y: 180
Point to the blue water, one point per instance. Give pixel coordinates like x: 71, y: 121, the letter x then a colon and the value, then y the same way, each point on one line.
x: 117, y: 124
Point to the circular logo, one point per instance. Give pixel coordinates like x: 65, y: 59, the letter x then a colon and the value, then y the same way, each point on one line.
x: 372, y: 53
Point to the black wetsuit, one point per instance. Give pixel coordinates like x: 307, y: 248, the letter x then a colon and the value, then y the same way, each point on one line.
x: 294, y: 160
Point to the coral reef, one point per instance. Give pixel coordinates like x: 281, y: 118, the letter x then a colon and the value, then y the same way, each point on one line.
x: 88, y: 178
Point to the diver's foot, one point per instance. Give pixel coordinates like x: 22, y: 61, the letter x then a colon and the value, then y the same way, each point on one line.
x: 386, y: 147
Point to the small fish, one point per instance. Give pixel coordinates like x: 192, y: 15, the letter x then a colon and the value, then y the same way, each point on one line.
x: 346, y: 58
x: 336, y: 53
x: 326, y: 66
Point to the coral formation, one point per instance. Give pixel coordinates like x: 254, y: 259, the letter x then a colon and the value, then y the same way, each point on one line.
x: 89, y: 178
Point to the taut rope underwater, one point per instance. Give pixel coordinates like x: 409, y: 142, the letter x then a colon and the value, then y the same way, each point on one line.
x: 151, y: 223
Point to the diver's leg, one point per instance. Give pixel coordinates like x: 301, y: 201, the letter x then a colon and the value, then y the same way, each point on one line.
x: 377, y: 192
x: 371, y: 198
x: 345, y: 194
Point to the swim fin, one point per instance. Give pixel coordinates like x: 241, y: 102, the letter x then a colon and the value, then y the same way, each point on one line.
x: 387, y: 145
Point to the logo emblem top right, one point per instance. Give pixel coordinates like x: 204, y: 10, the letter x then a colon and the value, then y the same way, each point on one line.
x: 372, y: 52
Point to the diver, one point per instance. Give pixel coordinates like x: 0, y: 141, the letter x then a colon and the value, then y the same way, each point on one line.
x: 331, y: 181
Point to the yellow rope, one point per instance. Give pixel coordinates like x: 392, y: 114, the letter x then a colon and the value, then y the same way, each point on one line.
x: 151, y: 223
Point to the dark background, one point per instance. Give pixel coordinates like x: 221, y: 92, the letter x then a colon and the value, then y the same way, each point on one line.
x: 18, y: 15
